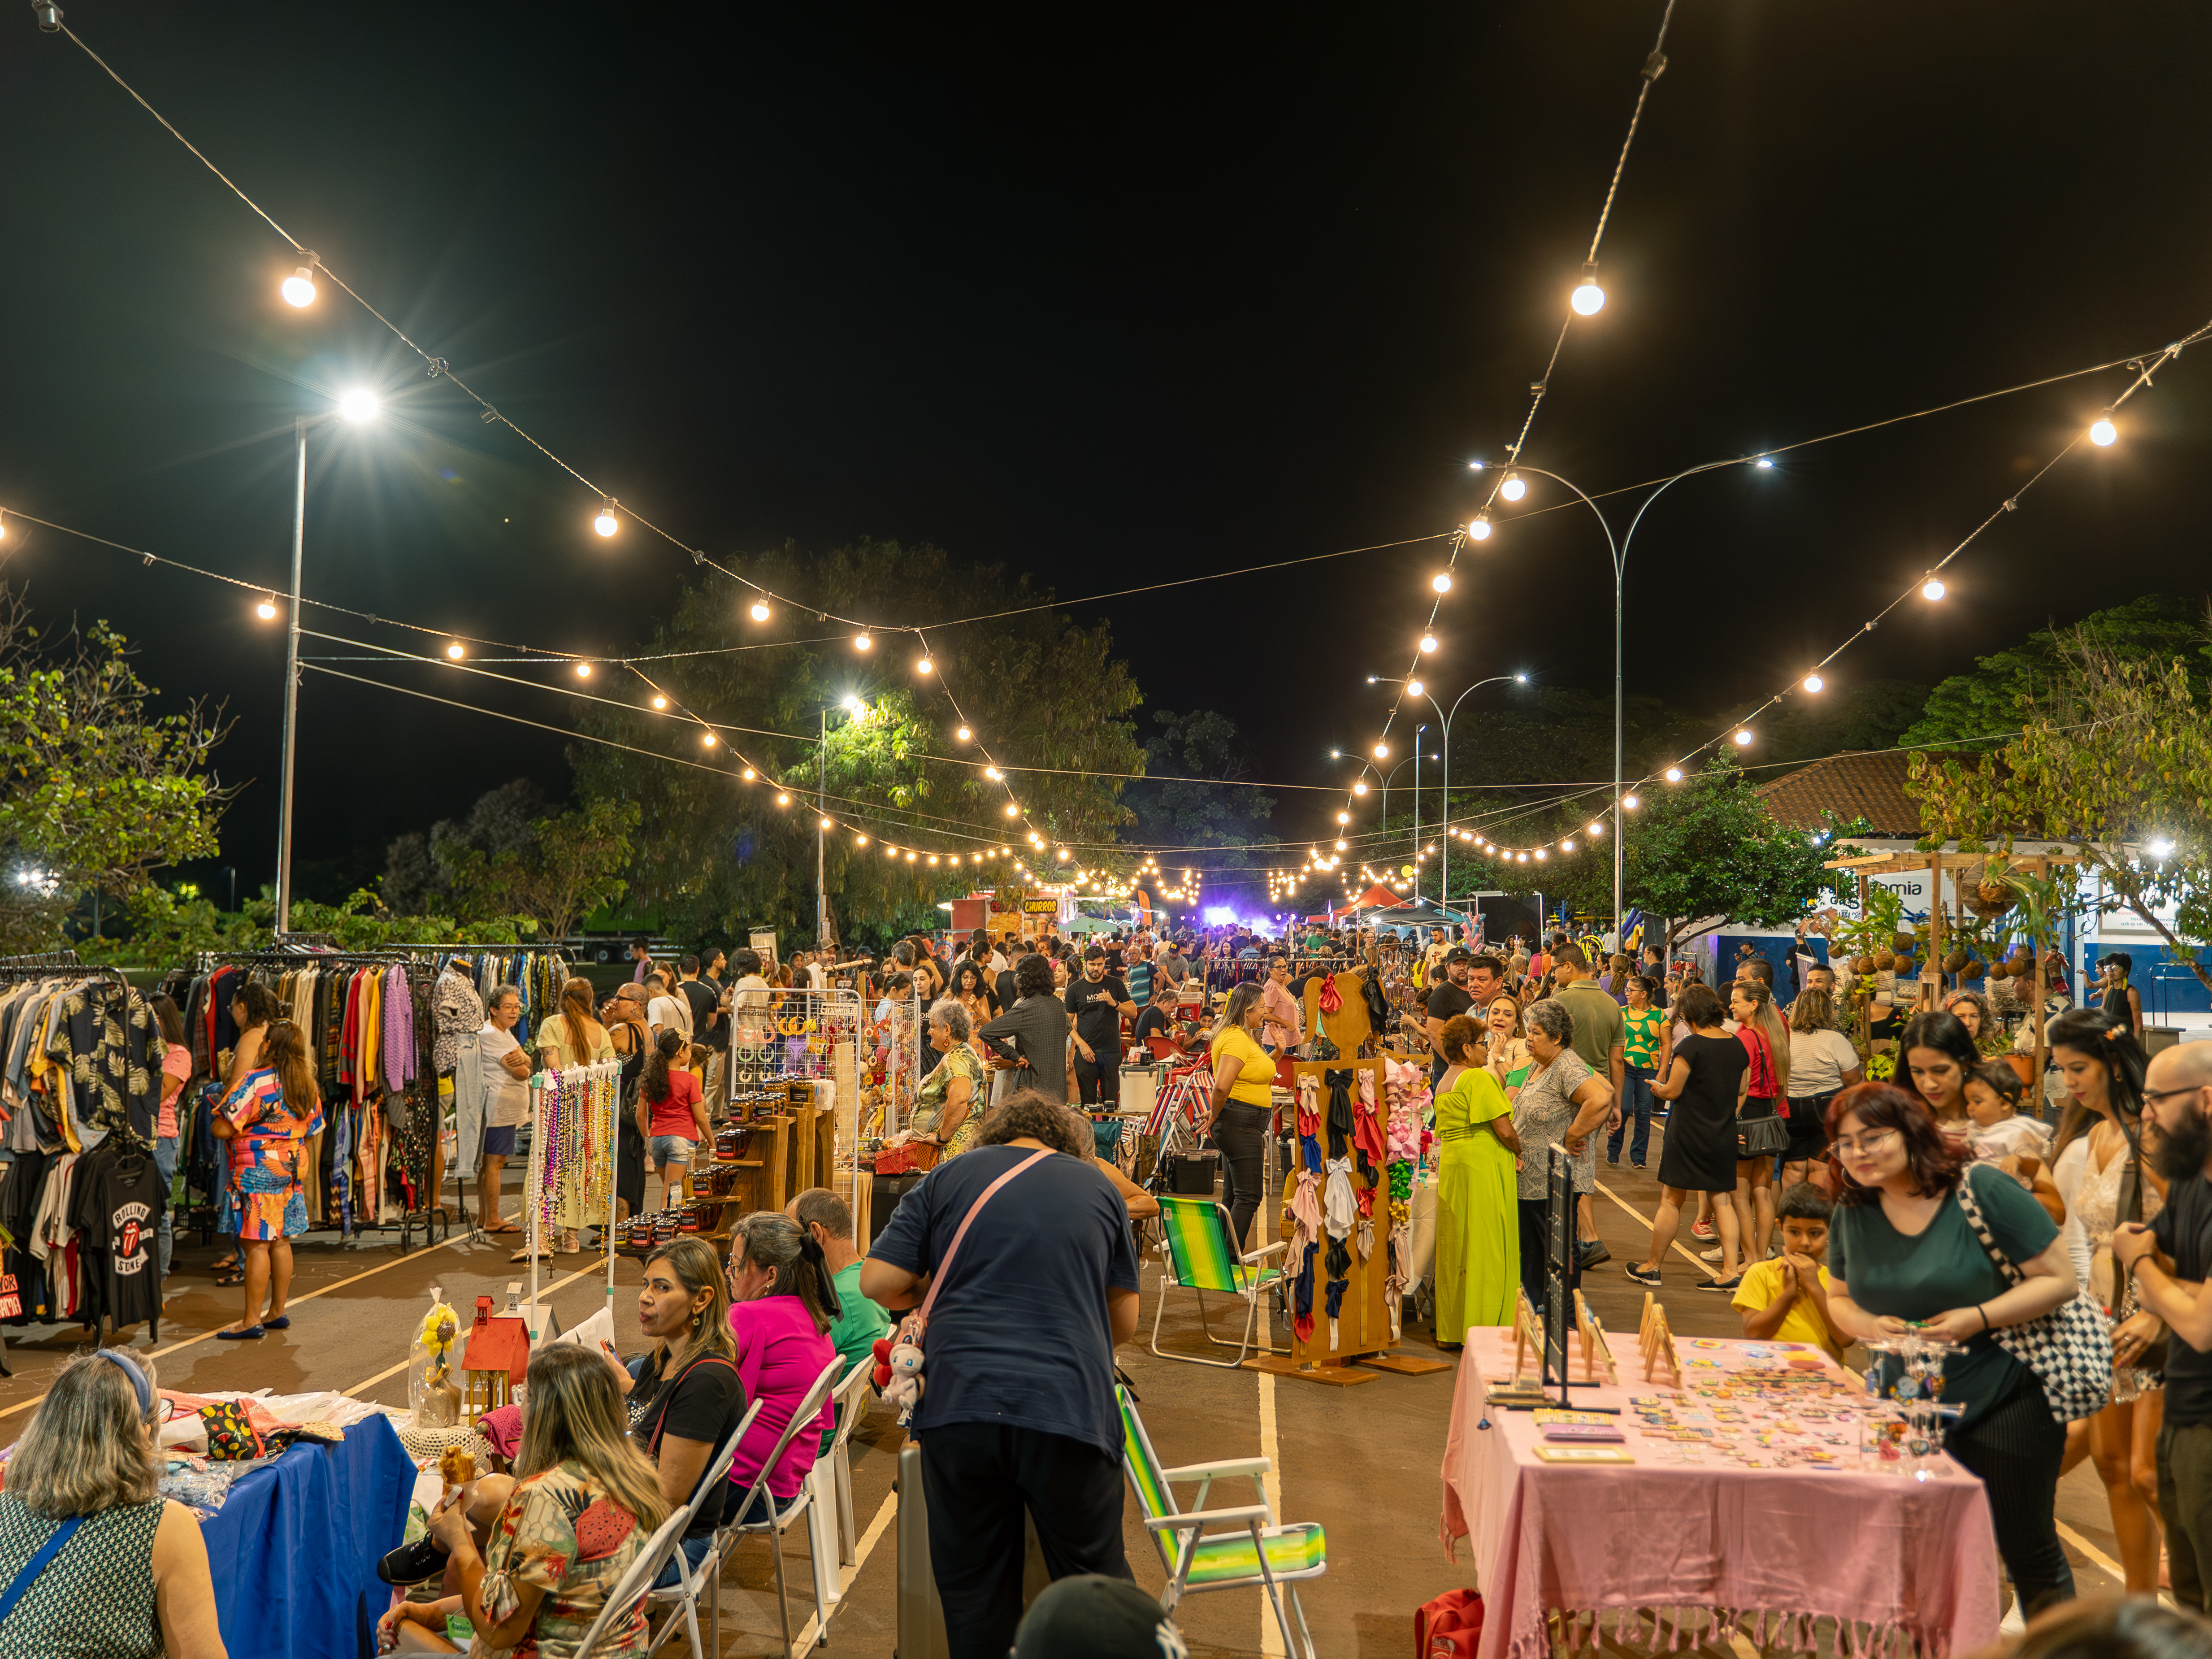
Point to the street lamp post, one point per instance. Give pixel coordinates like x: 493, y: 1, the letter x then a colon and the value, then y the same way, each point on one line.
x: 1444, y: 888
x: 1620, y: 551
x: 355, y: 406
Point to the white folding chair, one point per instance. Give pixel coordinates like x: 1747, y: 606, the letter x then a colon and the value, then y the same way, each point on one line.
x: 795, y: 1508
x: 681, y: 1598
x: 830, y: 1480
x: 631, y: 1589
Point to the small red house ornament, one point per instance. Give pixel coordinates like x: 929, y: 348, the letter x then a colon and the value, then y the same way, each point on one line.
x: 498, y: 1355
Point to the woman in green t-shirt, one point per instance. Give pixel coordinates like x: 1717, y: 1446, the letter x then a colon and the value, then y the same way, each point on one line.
x: 1641, y: 1020
x: 1902, y: 1254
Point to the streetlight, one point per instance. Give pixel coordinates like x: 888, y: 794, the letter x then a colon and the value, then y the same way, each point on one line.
x: 1618, y: 547
x: 1444, y: 890
x: 355, y: 405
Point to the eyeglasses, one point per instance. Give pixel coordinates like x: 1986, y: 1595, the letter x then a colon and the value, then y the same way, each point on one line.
x: 1871, y: 1141
x: 2153, y: 1096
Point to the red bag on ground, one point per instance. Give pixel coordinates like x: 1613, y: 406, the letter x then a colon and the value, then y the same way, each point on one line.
x: 1450, y: 1627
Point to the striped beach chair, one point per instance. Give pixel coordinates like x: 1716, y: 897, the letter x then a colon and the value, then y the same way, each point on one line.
x: 1256, y: 1553
x: 1202, y: 1257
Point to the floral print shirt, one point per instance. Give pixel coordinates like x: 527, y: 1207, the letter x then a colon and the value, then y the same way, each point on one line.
x: 563, y: 1534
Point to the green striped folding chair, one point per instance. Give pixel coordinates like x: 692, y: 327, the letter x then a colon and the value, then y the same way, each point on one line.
x: 1256, y: 1552
x: 1202, y: 1257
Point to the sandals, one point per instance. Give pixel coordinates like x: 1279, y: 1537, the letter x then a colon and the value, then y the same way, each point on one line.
x: 233, y: 1277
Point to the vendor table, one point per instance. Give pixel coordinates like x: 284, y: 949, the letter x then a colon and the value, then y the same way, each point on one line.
x: 294, y: 1547
x: 1762, y: 1551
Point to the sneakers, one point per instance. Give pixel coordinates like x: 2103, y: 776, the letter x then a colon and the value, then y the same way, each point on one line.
x: 1647, y: 1277
x: 1593, y: 1251
x: 1728, y: 1285
x: 1713, y: 1254
x: 1702, y: 1230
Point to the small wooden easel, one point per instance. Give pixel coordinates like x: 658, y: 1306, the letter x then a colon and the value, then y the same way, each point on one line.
x: 1658, y: 1343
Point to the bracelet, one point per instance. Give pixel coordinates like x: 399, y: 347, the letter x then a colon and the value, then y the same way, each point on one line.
x: 1984, y: 1313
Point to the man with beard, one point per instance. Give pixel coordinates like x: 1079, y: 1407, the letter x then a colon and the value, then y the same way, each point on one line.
x: 2170, y: 1260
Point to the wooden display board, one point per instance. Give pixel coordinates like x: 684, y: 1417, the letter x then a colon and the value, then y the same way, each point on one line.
x: 1349, y: 1026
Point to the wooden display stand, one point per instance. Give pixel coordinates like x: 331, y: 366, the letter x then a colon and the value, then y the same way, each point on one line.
x: 1363, y: 1324
x: 1661, y: 1363
x: 1349, y: 1026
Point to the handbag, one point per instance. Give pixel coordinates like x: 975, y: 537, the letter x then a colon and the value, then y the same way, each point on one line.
x: 1761, y: 1137
x: 2069, y: 1349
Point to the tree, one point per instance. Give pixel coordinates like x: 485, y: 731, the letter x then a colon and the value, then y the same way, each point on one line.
x: 1966, y: 709
x: 417, y: 879
x: 1868, y: 714
x: 1194, y: 795
x: 570, y: 865
x: 2113, y: 760
x: 98, y: 791
x: 1707, y: 852
x: 715, y: 853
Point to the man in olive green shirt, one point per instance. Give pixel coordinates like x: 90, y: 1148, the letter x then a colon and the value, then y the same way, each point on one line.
x: 1601, y: 1039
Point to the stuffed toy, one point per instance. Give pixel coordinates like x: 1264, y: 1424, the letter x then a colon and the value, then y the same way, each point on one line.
x: 898, y: 1373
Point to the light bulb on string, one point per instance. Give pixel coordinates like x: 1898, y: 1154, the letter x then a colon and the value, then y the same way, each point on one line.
x: 1597, y: 826
x: 862, y: 642
x: 1932, y: 588
x: 358, y: 404
x: 707, y: 738
x: 1743, y: 738
x: 923, y: 665
x: 760, y: 610
x: 299, y: 289
x: 1428, y: 643
x: 1382, y: 751
x: 1588, y: 299
x: 1567, y: 846
x: 456, y: 651
x: 658, y: 701
x: 1344, y: 817
x: 965, y: 735
x: 605, y: 524
x: 1359, y: 788
x: 583, y: 671
x: 1630, y: 802
x: 1414, y: 688
x: 1674, y: 774
x: 1441, y: 581
x: 1012, y: 810
x: 266, y: 610
x: 783, y: 800
x: 749, y: 775
x: 1514, y: 488
x: 1814, y: 683
x: 2103, y: 433
x: 1479, y: 527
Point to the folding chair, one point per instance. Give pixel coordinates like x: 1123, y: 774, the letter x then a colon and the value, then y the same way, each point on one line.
x: 1202, y: 1257
x: 1262, y: 1554
x: 834, y: 1536
x: 795, y: 1508
x: 631, y: 1589
x: 681, y: 1598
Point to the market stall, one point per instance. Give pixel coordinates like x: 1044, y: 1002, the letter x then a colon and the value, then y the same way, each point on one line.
x: 1757, y: 1467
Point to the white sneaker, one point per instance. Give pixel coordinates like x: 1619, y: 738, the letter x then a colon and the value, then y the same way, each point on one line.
x: 2012, y: 1624
x: 1713, y: 1254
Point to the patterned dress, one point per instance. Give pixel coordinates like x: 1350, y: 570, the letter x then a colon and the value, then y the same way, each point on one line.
x: 561, y: 1534
x: 265, y: 1195
x: 929, y: 1104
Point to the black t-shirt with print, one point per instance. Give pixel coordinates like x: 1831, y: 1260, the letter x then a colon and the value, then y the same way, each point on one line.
x: 707, y: 1402
x: 1096, y: 1008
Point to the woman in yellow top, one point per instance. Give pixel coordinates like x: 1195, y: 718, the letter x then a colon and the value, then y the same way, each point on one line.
x: 1243, y: 1081
x: 567, y: 1040
x: 1478, y: 1261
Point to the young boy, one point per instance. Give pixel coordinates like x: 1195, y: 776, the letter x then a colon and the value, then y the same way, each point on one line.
x: 1786, y: 1300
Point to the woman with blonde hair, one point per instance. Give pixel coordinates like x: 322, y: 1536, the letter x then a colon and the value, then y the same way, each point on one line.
x: 583, y: 1503
x: 274, y: 1108
x: 569, y: 1040
x: 110, y: 1569
x: 1244, y: 1098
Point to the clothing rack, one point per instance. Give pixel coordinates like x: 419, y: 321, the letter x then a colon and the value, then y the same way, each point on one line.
x: 430, y: 1214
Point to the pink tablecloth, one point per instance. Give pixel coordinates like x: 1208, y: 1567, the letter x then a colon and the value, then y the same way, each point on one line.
x: 1765, y: 1551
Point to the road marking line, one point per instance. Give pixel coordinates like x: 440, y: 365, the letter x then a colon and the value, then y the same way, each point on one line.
x: 804, y: 1642
x: 2103, y: 1561
x: 1706, y: 1268
x: 1271, y: 1633
x: 290, y: 1303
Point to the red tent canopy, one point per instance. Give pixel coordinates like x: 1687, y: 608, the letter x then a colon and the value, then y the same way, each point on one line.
x: 1378, y: 897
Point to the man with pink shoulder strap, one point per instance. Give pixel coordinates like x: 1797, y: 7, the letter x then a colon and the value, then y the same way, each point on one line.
x: 1017, y: 1409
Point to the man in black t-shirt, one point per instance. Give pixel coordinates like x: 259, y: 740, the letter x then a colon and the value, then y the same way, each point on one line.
x: 1159, y: 1020
x: 1095, y: 1003
x: 2170, y: 1260
x: 1447, y: 1000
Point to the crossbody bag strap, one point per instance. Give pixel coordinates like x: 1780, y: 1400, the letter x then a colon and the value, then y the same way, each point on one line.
x: 1973, y: 1209
x: 36, y: 1565
x: 944, y: 1267
x: 668, y: 1396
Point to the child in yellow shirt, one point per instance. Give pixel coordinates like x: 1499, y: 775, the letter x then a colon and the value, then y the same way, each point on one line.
x: 1786, y: 1300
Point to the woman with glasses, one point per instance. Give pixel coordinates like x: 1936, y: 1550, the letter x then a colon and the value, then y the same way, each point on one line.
x: 1902, y: 1256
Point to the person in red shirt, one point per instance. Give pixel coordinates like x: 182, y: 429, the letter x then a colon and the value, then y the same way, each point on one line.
x: 673, y: 1116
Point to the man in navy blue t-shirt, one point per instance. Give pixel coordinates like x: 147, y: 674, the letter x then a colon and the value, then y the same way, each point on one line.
x: 1018, y: 1408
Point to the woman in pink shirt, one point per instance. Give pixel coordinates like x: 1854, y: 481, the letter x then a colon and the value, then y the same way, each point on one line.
x: 782, y: 1303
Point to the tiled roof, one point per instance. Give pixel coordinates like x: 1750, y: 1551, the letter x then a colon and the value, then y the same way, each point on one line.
x: 1869, y: 784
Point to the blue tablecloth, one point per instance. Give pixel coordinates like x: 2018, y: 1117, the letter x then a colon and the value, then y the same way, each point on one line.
x: 294, y: 1547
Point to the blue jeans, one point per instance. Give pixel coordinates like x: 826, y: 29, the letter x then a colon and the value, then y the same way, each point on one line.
x: 165, y: 1160
x: 1636, y: 1102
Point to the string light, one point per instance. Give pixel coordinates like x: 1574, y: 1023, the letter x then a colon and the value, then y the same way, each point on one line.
x: 1428, y: 643
x: 1479, y: 527
x: 1588, y: 299
x: 1743, y: 737
x: 1814, y: 683
x: 923, y: 665
x: 1360, y: 787
x: 583, y: 671
x: 1382, y: 751
x: 782, y: 799
x: 1630, y: 802
x: 266, y: 610
x: 760, y: 610
x: 456, y: 651
x: 299, y: 289
x: 965, y: 735
x: 1932, y: 588
x: 2103, y: 433
x: 862, y: 642
x: 749, y: 775
x: 1674, y: 774
x: 709, y: 740
x: 1414, y: 688
x: 1441, y: 581
x: 1012, y: 810
x: 358, y: 405
x: 605, y: 523
x: 1514, y: 488
x: 658, y: 701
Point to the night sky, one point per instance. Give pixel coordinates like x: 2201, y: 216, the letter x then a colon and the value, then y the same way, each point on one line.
x: 1184, y: 291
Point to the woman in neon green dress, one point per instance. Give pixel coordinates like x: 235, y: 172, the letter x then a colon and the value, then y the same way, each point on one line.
x: 1478, y: 1258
